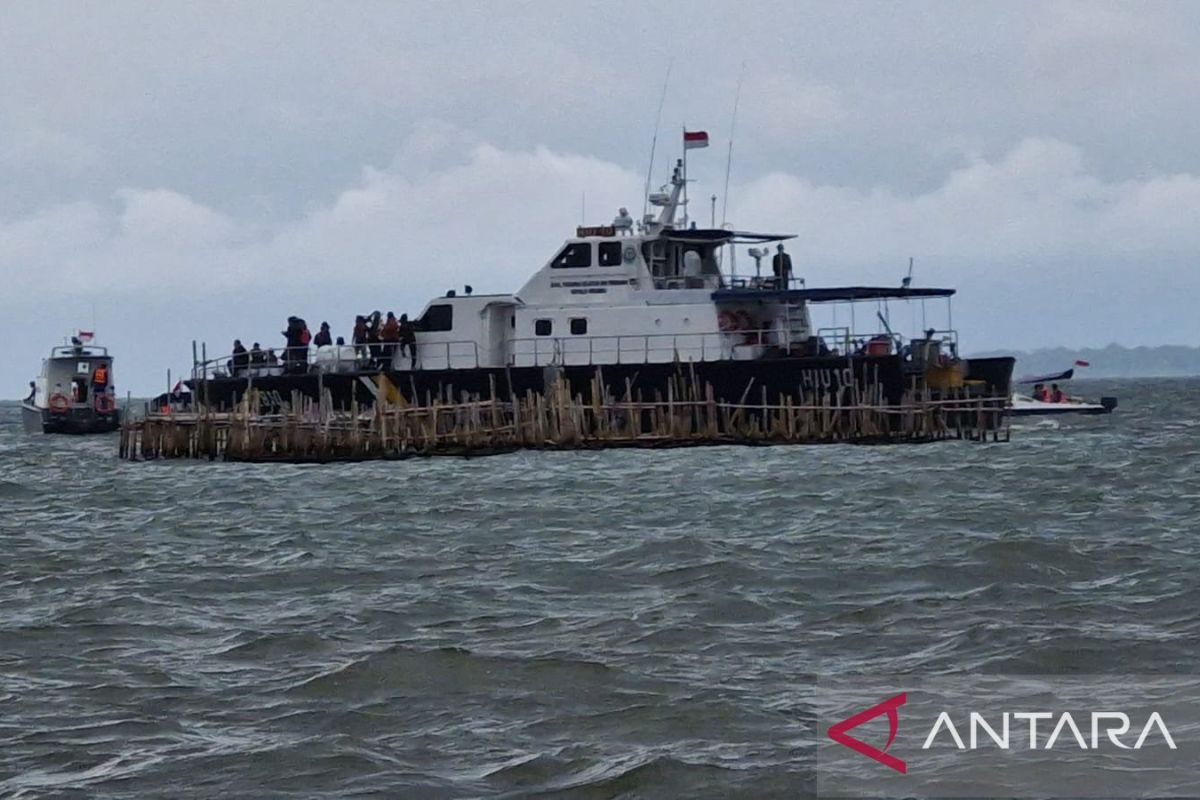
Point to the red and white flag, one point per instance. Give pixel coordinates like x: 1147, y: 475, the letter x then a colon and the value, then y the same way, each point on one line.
x: 1079, y: 362
x: 86, y: 336
x: 694, y: 139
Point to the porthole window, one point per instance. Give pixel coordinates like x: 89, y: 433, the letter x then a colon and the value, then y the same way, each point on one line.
x: 543, y: 327
x: 578, y: 326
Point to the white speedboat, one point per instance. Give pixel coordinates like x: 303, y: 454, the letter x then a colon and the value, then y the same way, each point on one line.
x: 1039, y: 403
x: 1024, y: 406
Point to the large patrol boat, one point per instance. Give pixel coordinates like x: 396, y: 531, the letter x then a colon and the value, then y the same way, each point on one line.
x: 74, y: 392
x: 634, y: 302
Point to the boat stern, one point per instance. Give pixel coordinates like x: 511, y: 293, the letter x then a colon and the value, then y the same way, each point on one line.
x: 74, y: 421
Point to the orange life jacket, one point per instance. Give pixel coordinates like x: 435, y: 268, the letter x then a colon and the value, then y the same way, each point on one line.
x: 100, y: 376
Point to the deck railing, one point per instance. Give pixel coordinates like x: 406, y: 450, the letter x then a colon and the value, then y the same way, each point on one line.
x: 844, y: 340
x: 582, y: 350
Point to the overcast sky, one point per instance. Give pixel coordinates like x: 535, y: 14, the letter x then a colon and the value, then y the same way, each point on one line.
x: 203, y: 170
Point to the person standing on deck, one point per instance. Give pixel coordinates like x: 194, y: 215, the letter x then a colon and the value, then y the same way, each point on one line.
x: 373, y: 325
x: 257, y: 356
x: 323, y: 337
x: 359, y: 337
x: 240, y: 359
x: 408, y: 340
x: 390, y: 336
x: 99, y: 380
x: 290, y: 337
x: 781, y: 265
x: 296, y: 352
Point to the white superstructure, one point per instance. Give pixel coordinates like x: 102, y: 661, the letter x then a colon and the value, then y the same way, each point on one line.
x: 621, y: 294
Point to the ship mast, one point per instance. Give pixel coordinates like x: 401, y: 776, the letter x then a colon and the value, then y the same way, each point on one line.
x: 685, y: 149
x: 669, y: 202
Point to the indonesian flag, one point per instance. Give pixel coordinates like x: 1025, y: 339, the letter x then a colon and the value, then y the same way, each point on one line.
x: 694, y: 139
x: 86, y: 336
x: 1079, y: 362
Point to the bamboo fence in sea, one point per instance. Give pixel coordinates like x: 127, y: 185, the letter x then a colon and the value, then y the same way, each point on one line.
x: 687, y: 414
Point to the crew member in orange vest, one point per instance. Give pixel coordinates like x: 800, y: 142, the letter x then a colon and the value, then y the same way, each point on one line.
x: 99, y: 379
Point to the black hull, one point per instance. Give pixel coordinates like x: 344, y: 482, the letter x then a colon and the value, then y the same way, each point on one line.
x: 841, y: 381
x: 74, y: 422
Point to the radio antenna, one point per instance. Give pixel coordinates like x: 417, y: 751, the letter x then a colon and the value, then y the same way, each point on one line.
x: 654, y: 141
x: 737, y: 95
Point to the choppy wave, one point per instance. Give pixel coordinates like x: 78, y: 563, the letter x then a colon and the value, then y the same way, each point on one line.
x: 620, y: 624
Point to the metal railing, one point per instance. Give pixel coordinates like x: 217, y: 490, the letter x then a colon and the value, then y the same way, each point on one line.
x: 79, y: 351
x: 460, y: 354
x: 766, y: 282
x: 584, y: 350
x: 653, y: 348
x: 845, y: 341
x: 430, y: 355
x: 725, y: 281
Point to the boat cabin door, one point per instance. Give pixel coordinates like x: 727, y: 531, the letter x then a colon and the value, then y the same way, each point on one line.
x: 500, y: 329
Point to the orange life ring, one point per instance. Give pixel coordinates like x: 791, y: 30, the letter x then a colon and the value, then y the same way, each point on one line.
x: 727, y: 322
x: 59, y: 403
x: 747, y: 324
x: 104, y: 404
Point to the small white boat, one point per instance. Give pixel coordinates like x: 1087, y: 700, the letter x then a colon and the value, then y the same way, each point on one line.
x: 74, y: 392
x: 1023, y: 406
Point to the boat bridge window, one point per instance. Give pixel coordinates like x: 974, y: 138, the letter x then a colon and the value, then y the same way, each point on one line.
x: 578, y: 254
x: 438, y: 318
x: 610, y: 254
x: 543, y: 327
x: 666, y: 260
x: 578, y: 326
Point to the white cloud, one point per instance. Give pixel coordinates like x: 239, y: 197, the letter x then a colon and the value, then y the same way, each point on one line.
x: 163, y: 218
x: 1035, y: 206
x: 1022, y: 236
x: 495, y: 215
x: 490, y: 219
